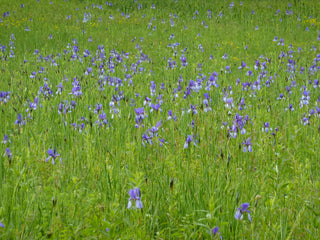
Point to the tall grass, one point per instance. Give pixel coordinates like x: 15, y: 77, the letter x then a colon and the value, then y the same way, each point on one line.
x: 187, y: 187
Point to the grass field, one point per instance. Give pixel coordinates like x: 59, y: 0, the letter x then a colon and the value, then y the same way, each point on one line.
x: 159, y: 119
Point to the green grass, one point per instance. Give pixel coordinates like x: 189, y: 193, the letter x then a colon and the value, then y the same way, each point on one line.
x: 185, y: 192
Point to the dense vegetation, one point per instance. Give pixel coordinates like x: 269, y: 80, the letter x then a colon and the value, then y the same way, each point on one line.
x: 205, y: 115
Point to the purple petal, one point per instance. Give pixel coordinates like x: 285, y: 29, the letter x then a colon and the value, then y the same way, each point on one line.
x: 215, y: 230
x: 50, y: 152
x: 244, y: 206
x: 244, y: 149
x: 1, y: 225
x: 238, y: 214
x: 129, y: 204
x: 132, y: 194
x: 139, y: 204
x: 137, y: 191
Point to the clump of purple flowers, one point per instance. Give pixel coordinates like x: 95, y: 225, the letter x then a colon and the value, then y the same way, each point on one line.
x: 4, y: 97
x: 140, y: 115
x: 151, y: 133
x: 135, y: 196
x: 76, y: 90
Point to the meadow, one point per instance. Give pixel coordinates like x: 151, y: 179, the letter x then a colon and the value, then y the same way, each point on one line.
x: 138, y: 119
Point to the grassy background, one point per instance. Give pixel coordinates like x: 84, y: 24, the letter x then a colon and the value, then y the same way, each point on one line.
x: 88, y: 192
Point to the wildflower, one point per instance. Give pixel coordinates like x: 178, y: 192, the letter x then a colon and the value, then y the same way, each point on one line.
x: 1, y: 225
x: 183, y: 59
x: 266, y: 127
x: 305, y: 98
x: 241, y: 210
x: 242, y: 105
x: 305, y: 120
x: 8, y: 153
x: 5, y: 139
x: 171, y: 116
x: 206, y: 102
x: 20, y: 121
x: 102, y: 119
x: 76, y: 90
x: 247, y: 145
x: 53, y: 154
x: 225, y: 56
x: 189, y: 139
x: 228, y: 102
x: 228, y: 70
x: 155, y: 107
x: 162, y: 141
x: 60, y: 88
x: 291, y: 107
x: 193, y: 109
x: 215, y: 231
x: 140, y: 115
x: 135, y: 195
x: 4, y: 96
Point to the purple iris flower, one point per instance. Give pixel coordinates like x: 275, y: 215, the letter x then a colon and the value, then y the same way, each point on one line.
x: 228, y: 70
x: 243, y: 65
x: 228, y: 102
x: 241, y: 210
x: 183, y: 59
x: 215, y: 231
x: 4, y: 96
x: 140, y: 115
x: 135, y: 195
x: 266, y: 127
x: 33, y: 105
x: 98, y: 108
x: 20, y: 121
x: 1, y: 225
x: 102, y: 119
x: 281, y: 96
x: 291, y: 107
x: 140, y: 112
x: 155, y: 107
x: 60, y: 88
x: 76, y: 90
x: 171, y: 116
x: 247, y: 145
x: 147, y: 100
x: 162, y: 141
x: 206, y: 101
x: 189, y: 139
x: 53, y: 154
x: 242, y: 105
x: 8, y: 153
x: 5, y: 139
x: 305, y: 120
x: 146, y: 138
x: 193, y: 109
x: 152, y: 88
